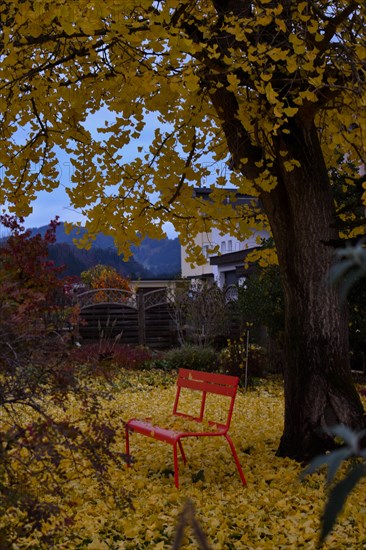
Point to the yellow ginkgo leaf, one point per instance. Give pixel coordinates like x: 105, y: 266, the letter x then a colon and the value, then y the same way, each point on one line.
x: 290, y: 111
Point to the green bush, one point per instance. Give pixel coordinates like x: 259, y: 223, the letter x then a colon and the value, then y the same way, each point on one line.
x: 188, y: 356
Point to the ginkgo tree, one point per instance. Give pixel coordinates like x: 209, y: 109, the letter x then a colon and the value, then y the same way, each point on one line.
x: 275, y: 89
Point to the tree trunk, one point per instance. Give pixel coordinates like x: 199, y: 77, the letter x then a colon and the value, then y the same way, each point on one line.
x: 319, y: 391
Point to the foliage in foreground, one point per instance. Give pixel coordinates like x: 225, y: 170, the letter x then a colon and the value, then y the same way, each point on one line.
x: 41, y: 443
x: 340, y: 490
x: 274, y: 511
x: 350, y: 267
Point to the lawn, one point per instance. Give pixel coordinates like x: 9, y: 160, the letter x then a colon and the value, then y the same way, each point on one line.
x: 141, y: 507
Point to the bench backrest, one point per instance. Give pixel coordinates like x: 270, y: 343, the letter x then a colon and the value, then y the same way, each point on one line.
x: 207, y: 382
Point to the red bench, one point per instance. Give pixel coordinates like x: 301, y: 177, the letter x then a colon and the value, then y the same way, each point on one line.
x: 206, y: 383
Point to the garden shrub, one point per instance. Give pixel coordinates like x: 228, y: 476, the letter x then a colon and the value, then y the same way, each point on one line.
x: 200, y: 314
x: 257, y: 361
x: 233, y: 359
x: 203, y: 358
x: 104, y: 276
x: 108, y: 358
x: 133, y: 357
x: 261, y: 302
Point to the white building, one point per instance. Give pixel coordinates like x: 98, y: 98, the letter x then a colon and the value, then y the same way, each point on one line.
x: 227, y: 267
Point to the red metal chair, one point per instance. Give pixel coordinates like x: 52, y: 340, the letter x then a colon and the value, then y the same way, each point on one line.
x: 206, y: 383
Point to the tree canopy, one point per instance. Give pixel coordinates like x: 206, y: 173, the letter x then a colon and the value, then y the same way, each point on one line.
x: 218, y: 81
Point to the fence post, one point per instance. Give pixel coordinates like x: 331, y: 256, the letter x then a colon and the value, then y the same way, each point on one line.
x: 141, y: 317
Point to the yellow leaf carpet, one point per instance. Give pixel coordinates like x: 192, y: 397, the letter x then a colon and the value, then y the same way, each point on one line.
x: 275, y: 510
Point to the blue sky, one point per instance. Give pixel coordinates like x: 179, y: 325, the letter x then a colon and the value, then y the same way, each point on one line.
x: 49, y: 205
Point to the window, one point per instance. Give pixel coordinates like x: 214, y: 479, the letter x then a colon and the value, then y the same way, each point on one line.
x: 230, y: 246
x: 223, y: 247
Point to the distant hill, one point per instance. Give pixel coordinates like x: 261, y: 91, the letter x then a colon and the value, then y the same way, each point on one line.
x: 152, y: 259
x: 78, y: 260
x: 159, y: 257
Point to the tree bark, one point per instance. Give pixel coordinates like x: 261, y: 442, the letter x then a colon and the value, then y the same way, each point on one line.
x: 319, y: 390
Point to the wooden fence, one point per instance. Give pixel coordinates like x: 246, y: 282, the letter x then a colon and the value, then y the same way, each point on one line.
x: 132, y: 317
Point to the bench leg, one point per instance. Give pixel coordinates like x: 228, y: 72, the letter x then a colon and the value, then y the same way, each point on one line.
x: 242, y: 477
x: 182, y: 451
x: 176, y: 467
x: 127, y: 446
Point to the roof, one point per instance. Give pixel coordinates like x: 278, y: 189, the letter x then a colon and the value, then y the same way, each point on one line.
x: 233, y: 195
x: 232, y: 258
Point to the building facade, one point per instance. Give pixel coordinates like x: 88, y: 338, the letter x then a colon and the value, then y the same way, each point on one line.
x: 227, y: 267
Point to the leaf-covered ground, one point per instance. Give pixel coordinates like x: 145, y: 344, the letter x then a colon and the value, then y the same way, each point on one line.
x: 274, y: 511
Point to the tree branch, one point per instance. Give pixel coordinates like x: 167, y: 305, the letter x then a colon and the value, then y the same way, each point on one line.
x: 333, y: 25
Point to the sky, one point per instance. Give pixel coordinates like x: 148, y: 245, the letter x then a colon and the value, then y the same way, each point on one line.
x: 49, y: 205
